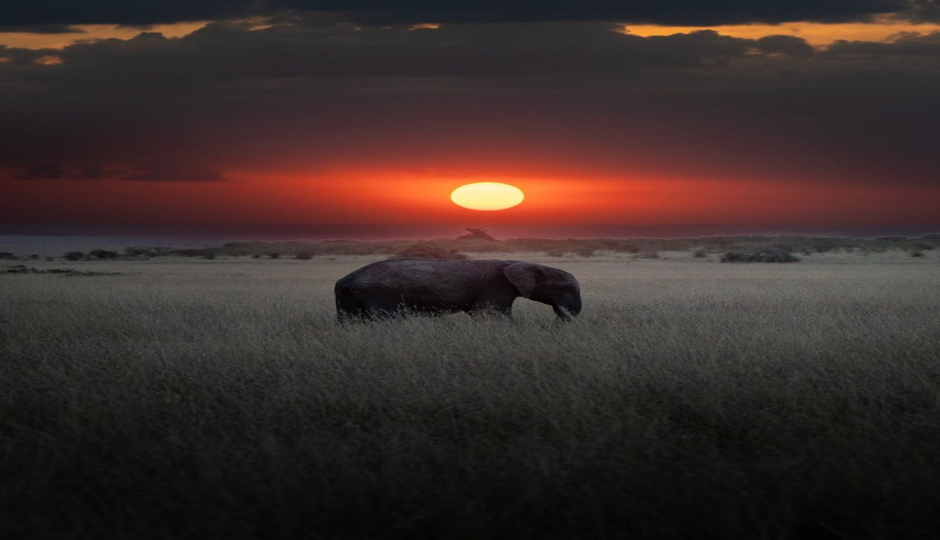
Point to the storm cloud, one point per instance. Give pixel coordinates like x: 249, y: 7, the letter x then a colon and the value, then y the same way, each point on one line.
x: 50, y: 13
x: 147, y: 172
x: 574, y: 97
x: 41, y: 172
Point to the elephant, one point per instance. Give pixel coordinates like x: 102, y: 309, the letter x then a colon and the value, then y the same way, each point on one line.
x: 399, y: 287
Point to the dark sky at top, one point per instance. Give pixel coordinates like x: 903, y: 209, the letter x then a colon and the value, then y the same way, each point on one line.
x: 26, y: 13
x: 501, y: 88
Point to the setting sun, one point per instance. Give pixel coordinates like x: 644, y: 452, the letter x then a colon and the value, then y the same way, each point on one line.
x: 487, y: 196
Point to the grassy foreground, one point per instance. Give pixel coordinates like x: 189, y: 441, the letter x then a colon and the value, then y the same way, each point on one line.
x: 218, y: 399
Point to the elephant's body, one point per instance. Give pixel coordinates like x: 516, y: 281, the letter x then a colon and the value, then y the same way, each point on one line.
x: 436, y: 287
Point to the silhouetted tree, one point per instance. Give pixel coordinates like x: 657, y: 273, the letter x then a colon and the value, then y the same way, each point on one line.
x: 476, y: 233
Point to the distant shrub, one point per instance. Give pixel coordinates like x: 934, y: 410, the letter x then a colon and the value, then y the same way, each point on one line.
x: 700, y: 253
x: 274, y: 255
x: 304, y: 255
x: 6, y: 255
x: 74, y: 256
x: 197, y: 252
x: 67, y: 272
x: 140, y: 251
x: 102, y: 254
x: 770, y: 255
x: 891, y: 238
x: 649, y: 255
x: 586, y: 252
x: 478, y: 240
x: 775, y: 255
x: 256, y: 256
x: 917, y: 253
x: 210, y: 256
x: 933, y: 238
x: 428, y: 250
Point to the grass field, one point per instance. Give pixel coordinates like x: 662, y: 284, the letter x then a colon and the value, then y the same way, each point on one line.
x: 218, y: 399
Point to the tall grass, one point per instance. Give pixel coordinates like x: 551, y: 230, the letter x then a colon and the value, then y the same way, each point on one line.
x: 218, y: 399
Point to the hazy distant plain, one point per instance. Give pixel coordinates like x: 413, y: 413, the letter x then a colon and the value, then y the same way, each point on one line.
x: 690, y: 399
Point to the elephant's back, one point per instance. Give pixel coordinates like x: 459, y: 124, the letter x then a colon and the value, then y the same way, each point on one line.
x: 411, y: 272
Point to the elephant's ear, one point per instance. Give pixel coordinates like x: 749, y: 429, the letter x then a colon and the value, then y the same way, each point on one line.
x: 524, y: 276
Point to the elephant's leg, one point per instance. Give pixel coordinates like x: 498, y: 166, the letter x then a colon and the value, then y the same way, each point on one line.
x: 348, y: 307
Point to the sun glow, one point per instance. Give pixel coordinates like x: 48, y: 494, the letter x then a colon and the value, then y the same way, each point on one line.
x: 487, y: 196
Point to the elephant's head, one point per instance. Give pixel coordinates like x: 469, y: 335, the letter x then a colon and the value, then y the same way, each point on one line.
x: 547, y: 285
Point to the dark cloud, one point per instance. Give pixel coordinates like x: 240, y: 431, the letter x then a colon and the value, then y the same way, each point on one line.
x: 788, y: 45
x: 15, y: 57
x: 43, y: 29
x: 93, y: 172
x: 383, y: 12
x: 221, y: 53
x: 172, y: 172
x: 127, y: 12
x: 904, y: 45
x: 41, y: 172
x: 150, y: 172
x: 577, y: 98
x: 923, y: 11
x: 673, y: 12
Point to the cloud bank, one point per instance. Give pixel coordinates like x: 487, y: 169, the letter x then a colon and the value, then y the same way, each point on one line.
x: 580, y: 95
x: 49, y: 14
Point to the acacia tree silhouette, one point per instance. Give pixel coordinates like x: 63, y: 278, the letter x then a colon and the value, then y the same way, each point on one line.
x: 476, y: 233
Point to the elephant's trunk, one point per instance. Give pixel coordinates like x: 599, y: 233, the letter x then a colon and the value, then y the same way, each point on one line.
x: 565, y: 313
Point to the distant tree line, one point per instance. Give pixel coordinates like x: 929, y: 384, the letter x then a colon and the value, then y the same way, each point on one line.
x: 479, y: 241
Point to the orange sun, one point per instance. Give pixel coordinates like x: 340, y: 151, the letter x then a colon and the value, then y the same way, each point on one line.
x: 487, y: 196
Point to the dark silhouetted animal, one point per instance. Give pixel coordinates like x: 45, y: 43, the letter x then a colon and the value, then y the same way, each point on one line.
x: 398, y: 287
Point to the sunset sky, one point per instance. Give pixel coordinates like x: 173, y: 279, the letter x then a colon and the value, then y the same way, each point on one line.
x: 784, y: 112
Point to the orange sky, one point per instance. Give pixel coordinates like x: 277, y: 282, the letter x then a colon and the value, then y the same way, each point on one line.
x: 816, y: 34
x: 92, y: 31
x: 390, y: 197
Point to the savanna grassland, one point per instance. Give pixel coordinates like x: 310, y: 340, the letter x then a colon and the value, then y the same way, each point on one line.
x: 190, y: 399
